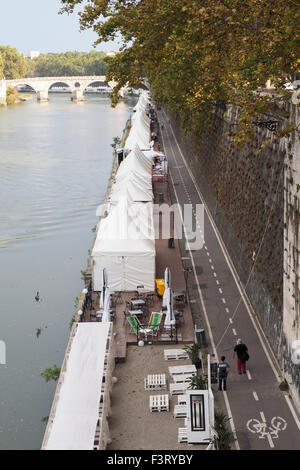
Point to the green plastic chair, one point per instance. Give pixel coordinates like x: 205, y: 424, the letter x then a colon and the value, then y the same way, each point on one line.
x: 134, y: 323
x: 154, y: 322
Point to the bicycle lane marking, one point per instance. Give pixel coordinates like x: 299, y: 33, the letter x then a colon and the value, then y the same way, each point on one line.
x: 271, y: 443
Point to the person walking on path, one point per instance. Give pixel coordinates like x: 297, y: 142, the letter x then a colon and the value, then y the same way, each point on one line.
x: 241, y: 351
x: 223, y: 368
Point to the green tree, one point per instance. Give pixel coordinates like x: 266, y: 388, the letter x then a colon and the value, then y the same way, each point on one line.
x: 70, y: 64
x: 14, y: 64
x: 11, y: 95
x: 199, y: 54
x: 51, y: 374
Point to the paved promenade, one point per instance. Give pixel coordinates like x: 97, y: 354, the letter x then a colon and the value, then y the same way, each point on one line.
x: 262, y: 415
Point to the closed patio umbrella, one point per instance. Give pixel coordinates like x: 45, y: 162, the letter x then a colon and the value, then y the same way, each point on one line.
x: 167, y: 286
x: 170, y: 317
x: 104, y: 287
x: 106, y: 306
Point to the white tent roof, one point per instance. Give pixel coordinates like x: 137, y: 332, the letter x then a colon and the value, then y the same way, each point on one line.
x: 138, y: 155
x: 77, y: 408
x: 135, y: 162
x: 128, y: 230
x: 144, y: 99
x: 127, y: 179
x: 132, y: 190
x: 139, y: 132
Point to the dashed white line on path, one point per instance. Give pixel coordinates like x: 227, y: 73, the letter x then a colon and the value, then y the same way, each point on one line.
x: 212, y: 267
x: 249, y: 375
x: 234, y: 332
x: 227, y: 310
x: 255, y: 396
x: 217, y: 281
x: 220, y: 290
x: 223, y: 300
x: 230, y: 319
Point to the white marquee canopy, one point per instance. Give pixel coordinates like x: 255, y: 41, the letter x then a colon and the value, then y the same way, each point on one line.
x: 77, y: 408
x: 125, y: 246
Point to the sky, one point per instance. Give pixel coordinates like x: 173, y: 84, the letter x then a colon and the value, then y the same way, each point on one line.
x: 34, y: 25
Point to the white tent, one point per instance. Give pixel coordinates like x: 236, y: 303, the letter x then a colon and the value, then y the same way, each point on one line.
x: 143, y: 101
x: 132, y: 190
x: 125, y: 246
x: 77, y: 407
x: 135, y: 163
x: 139, y: 156
x: 139, y: 132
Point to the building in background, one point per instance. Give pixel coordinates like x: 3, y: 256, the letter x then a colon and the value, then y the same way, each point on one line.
x: 32, y: 55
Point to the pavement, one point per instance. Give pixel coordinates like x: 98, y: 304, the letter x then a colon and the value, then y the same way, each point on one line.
x: 262, y: 416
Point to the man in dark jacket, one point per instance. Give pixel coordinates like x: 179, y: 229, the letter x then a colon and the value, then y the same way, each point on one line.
x: 242, y: 356
x: 223, y: 368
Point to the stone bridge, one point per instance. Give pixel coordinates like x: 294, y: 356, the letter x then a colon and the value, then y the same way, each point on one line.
x: 41, y: 85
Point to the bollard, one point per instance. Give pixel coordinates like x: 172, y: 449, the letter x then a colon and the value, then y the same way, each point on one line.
x: 171, y: 242
x: 200, y: 337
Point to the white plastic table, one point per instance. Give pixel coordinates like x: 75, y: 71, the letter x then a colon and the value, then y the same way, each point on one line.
x: 186, y: 369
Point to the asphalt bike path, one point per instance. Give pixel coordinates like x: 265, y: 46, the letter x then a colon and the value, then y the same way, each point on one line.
x: 263, y: 417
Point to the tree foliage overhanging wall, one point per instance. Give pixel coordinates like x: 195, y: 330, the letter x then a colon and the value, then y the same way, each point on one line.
x: 200, y: 53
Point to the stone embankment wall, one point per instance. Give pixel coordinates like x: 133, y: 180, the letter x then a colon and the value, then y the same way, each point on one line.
x: 245, y: 194
x: 244, y: 191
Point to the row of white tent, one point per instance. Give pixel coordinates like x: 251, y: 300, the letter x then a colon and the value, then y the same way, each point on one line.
x: 140, y: 125
x: 125, y: 242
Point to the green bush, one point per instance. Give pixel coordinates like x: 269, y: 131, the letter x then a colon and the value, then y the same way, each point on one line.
x: 51, y: 374
x: 11, y: 95
x: 225, y: 437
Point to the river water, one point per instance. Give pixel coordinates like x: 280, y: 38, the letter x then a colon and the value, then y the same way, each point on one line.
x: 55, y: 161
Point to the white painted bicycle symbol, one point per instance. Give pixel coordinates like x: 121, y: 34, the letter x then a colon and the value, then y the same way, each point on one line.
x: 263, y: 430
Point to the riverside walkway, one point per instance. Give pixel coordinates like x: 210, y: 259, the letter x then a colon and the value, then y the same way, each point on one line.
x: 165, y: 256
x: 263, y: 417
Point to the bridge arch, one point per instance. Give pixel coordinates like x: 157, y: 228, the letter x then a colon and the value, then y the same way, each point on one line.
x: 94, y: 83
x: 41, y: 85
x: 60, y: 84
x: 17, y: 85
